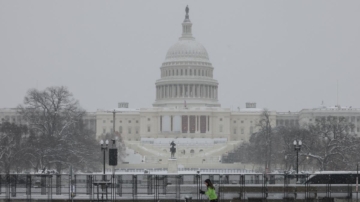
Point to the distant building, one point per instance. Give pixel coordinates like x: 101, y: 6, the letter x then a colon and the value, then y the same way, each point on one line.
x: 308, y: 116
x: 11, y: 115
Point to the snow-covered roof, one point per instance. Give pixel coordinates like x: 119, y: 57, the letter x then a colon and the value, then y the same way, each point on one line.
x: 126, y: 109
x: 183, y: 141
x: 335, y: 172
x: 119, y: 110
x: 251, y: 110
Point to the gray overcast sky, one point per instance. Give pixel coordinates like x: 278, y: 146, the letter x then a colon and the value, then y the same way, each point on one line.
x: 284, y: 55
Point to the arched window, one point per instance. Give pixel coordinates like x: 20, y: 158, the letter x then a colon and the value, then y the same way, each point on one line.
x: 192, y: 151
x: 201, y: 150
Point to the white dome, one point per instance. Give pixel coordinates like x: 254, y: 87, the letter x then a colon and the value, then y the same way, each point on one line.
x: 186, y: 74
x: 187, y: 49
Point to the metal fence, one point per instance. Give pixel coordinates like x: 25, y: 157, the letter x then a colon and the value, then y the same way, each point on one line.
x: 174, y: 187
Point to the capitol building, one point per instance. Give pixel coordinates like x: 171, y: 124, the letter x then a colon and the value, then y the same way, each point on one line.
x: 187, y: 111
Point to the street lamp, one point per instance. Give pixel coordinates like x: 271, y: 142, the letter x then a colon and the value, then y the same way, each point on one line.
x: 103, y: 183
x: 297, y: 148
x: 104, y: 148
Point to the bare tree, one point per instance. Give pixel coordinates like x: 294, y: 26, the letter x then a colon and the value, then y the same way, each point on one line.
x: 12, y: 146
x: 266, y: 132
x: 59, y: 137
x: 334, y: 147
x: 284, y: 148
x: 327, y: 144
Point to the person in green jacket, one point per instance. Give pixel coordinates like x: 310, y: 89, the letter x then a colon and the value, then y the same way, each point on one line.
x: 211, y: 193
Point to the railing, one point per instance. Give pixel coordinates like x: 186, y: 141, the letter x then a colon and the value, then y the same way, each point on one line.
x: 171, y: 187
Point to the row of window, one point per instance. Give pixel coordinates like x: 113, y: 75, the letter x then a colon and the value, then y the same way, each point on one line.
x: 12, y: 119
x: 351, y: 119
x: 242, y: 131
x: 287, y: 122
x: 129, y: 121
x: 186, y: 63
x: 235, y: 121
x: 186, y: 72
x: 129, y: 130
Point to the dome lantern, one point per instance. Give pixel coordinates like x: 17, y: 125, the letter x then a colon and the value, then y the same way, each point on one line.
x: 186, y: 25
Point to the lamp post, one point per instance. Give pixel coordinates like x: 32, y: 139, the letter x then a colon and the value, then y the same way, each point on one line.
x: 297, y: 148
x: 104, y: 148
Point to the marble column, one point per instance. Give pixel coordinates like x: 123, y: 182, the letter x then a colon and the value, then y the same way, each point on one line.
x: 212, y: 92
x: 199, y: 87
x: 174, y: 91
x: 184, y: 91
x: 202, y: 91
x: 203, y: 88
x: 210, y: 124
x: 168, y: 91
x: 178, y: 92
x: 217, y: 91
x: 171, y: 91
x: 206, y: 123
x: 159, y: 124
x: 188, y: 128
x: 197, y: 90
x: 196, y: 124
x: 209, y: 87
x: 206, y: 91
x: 209, y: 91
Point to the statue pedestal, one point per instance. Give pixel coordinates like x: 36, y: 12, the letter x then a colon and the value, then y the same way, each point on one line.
x: 172, y: 166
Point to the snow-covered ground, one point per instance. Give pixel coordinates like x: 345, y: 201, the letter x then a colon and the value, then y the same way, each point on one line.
x: 132, y: 157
